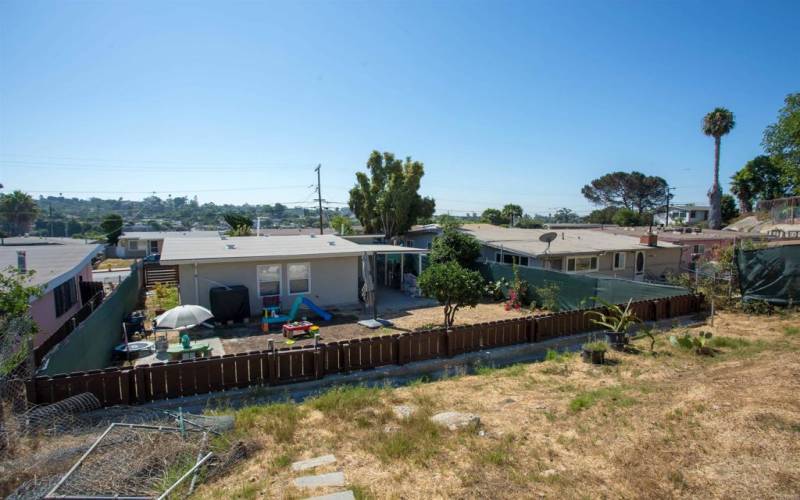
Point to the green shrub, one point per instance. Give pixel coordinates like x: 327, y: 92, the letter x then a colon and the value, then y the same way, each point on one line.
x: 277, y: 419
x: 596, y: 346
x: 613, y: 395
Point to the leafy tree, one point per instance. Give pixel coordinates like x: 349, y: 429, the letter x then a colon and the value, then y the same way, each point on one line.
x: 452, y: 286
x: 16, y: 324
x: 626, y: 217
x: 236, y: 220
x: 388, y: 200
x: 528, y: 222
x: 18, y: 211
x: 15, y: 292
x: 455, y: 246
x: 240, y: 231
x: 634, y: 191
x: 716, y: 124
x: 493, y: 216
x: 729, y: 210
x: 602, y: 215
x: 511, y: 212
x: 761, y: 178
x: 341, y: 224
x: 782, y: 142
x: 112, y: 228
x: 566, y: 215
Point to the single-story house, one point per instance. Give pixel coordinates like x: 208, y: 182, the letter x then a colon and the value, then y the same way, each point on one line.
x: 324, y: 268
x: 138, y: 244
x: 682, y: 215
x: 60, y: 268
x: 697, y: 244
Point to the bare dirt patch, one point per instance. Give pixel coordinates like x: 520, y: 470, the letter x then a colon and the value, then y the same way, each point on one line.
x: 669, y: 424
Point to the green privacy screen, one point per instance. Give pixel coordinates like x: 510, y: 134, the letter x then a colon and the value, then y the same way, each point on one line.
x: 771, y: 274
x: 577, y: 291
x: 89, y: 346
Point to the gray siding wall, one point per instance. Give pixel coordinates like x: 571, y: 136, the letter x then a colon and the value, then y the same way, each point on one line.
x: 334, y: 281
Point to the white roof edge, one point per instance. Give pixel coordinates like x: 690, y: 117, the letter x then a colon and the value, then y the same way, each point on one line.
x: 271, y: 258
x: 63, y: 277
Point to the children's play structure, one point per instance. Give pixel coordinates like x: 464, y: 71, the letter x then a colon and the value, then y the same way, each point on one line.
x: 272, y: 314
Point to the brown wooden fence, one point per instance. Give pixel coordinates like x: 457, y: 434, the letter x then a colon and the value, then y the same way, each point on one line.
x: 218, y: 373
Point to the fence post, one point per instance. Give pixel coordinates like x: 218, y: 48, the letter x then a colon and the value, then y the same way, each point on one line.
x: 319, y: 360
x: 272, y: 359
x: 404, y: 348
x: 530, y: 330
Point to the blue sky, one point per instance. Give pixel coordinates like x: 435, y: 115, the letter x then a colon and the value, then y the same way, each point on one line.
x: 519, y: 102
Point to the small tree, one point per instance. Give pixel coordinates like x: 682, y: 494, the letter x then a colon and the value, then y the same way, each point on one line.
x: 626, y: 217
x: 237, y: 220
x: 15, y: 321
x: 341, y: 224
x: 112, y: 227
x: 452, y: 286
x: 455, y: 246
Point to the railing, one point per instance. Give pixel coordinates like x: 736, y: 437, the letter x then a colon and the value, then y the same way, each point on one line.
x: 71, y: 324
x: 186, y: 378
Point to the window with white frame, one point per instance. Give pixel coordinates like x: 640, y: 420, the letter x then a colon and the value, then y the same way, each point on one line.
x: 269, y: 280
x: 581, y: 264
x: 699, y: 249
x: 619, y: 261
x: 299, y: 277
x: 133, y: 244
x: 511, y: 259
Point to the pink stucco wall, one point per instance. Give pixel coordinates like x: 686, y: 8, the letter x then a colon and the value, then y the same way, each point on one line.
x: 43, y: 310
x: 711, y: 247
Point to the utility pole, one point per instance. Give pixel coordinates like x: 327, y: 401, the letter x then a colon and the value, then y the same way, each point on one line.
x: 666, y: 220
x: 319, y: 198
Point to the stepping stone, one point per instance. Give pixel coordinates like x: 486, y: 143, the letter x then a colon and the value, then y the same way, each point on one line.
x: 339, y: 495
x: 330, y: 479
x: 313, y: 462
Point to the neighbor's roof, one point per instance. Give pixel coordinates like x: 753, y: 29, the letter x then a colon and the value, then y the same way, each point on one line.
x: 42, y: 240
x: 689, y: 207
x: 289, y: 231
x: 251, y: 248
x: 53, y: 264
x: 677, y: 237
x: 160, y: 235
x: 568, y: 241
x: 424, y: 228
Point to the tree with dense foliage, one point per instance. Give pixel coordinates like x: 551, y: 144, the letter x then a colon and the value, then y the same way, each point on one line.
x: 18, y: 211
x: 728, y: 207
x: 16, y: 324
x: 341, y: 224
x: 455, y: 246
x: 528, y: 222
x: 603, y: 215
x: 782, y: 142
x: 453, y: 286
x: 717, y: 123
x: 566, y: 215
x: 627, y: 217
x: 761, y: 178
x: 634, y: 191
x: 387, y: 200
x: 492, y: 216
x: 511, y: 213
x: 237, y: 220
x: 112, y: 228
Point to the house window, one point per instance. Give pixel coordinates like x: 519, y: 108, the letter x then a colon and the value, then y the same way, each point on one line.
x: 511, y: 259
x: 65, y: 296
x: 409, y: 243
x: 269, y: 280
x: 619, y: 260
x: 699, y: 249
x: 153, y: 246
x: 692, y: 214
x: 299, y: 278
x: 581, y: 264
x: 133, y: 245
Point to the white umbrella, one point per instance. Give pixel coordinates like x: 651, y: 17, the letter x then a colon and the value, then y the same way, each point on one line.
x: 182, y: 317
x: 368, y: 290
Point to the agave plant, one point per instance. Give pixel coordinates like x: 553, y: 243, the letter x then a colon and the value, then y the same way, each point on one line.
x: 617, y: 320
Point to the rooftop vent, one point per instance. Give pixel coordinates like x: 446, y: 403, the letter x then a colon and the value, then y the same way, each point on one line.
x: 332, y: 243
x: 230, y: 246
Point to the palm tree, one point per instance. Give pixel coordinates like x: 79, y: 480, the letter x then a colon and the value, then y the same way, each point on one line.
x: 18, y: 210
x: 716, y: 124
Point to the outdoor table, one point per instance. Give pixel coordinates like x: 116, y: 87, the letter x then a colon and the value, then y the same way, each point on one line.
x: 289, y: 329
x: 177, y: 350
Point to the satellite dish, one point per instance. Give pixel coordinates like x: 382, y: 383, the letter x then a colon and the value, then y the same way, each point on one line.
x: 548, y: 238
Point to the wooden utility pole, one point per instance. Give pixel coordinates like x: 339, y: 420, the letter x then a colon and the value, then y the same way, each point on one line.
x: 319, y: 198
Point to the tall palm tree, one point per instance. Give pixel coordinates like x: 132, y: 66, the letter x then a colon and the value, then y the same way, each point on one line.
x: 716, y: 124
x: 18, y: 210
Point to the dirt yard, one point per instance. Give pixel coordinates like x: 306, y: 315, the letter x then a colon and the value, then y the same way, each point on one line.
x: 668, y: 424
x: 115, y: 263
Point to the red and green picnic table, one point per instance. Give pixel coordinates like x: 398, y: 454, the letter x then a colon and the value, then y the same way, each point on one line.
x: 295, y: 327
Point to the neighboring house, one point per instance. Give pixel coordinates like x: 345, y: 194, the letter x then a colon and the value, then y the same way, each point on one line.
x: 697, y: 244
x: 325, y: 268
x: 133, y: 245
x: 60, y: 268
x: 682, y: 215
x: 578, y: 251
x: 419, y: 236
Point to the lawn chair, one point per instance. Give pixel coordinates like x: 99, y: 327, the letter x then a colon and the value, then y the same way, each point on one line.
x: 284, y: 318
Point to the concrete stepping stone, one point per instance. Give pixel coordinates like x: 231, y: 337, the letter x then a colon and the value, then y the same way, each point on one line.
x: 339, y: 495
x: 318, y: 481
x: 313, y: 462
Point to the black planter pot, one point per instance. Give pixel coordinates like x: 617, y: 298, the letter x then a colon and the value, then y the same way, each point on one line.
x: 595, y: 357
x: 617, y: 340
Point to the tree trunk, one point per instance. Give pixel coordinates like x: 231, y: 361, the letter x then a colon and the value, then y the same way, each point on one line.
x: 715, y: 194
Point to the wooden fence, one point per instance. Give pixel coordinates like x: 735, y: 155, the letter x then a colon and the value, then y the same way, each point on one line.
x: 218, y: 373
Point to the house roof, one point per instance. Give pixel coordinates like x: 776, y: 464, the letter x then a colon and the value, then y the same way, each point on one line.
x: 677, y: 237
x: 41, y: 240
x: 251, y: 248
x: 690, y: 207
x: 424, y: 228
x: 289, y: 231
x: 568, y: 241
x: 160, y: 235
x: 53, y: 264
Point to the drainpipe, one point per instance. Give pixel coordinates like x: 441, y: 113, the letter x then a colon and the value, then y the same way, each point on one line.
x: 196, y: 286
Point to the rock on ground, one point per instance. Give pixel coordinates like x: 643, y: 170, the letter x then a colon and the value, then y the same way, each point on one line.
x: 313, y: 462
x: 454, y: 420
x: 403, y: 412
x: 330, y: 479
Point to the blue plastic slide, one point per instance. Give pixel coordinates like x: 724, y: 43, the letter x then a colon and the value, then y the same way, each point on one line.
x: 322, y: 313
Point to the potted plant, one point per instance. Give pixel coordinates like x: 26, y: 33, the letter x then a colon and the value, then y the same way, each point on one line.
x: 616, y: 321
x: 595, y: 351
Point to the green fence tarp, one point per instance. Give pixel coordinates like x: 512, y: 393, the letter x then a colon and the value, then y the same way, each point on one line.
x: 580, y: 291
x: 770, y: 274
x: 90, y: 345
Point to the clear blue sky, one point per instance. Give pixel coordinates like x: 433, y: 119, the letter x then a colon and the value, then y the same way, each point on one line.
x: 503, y: 101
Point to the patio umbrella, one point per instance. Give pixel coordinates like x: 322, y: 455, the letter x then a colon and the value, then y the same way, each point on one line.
x: 368, y: 290
x: 183, y: 317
